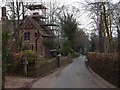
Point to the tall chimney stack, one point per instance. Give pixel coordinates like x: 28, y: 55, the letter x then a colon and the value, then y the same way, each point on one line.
x: 4, y: 16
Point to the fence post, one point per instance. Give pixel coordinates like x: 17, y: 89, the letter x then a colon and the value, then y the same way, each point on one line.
x: 58, y: 59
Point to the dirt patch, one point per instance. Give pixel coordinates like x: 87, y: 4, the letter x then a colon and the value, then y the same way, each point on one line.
x: 24, y: 82
x: 27, y: 82
x: 19, y: 82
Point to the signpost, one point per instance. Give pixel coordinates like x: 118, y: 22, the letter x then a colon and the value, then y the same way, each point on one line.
x: 25, y: 63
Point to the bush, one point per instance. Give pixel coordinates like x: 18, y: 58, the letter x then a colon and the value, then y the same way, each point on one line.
x: 29, y: 56
x: 26, y: 55
x: 66, y: 49
x: 14, y: 63
x: 11, y: 63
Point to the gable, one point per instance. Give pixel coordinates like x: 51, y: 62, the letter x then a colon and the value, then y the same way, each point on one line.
x: 26, y: 24
x: 30, y: 23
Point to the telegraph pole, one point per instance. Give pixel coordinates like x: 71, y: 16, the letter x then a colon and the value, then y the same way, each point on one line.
x: 118, y: 30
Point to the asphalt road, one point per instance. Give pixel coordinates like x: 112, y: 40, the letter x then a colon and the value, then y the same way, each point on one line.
x: 75, y: 75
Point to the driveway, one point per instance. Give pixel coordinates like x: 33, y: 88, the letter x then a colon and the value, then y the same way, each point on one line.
x: 75, y: 75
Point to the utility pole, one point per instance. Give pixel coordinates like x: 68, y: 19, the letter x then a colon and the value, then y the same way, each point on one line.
x: 118, y: 30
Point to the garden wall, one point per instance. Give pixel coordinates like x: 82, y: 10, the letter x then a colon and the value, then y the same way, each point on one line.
x: 106, y: 65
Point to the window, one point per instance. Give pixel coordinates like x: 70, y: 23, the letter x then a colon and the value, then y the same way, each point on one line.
x: 27, y: 36
x: 36, y: 34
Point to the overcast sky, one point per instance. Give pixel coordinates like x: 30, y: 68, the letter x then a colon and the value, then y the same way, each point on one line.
x: 84, y: 19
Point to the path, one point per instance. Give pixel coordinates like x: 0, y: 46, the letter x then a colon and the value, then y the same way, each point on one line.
x: 75, y: 75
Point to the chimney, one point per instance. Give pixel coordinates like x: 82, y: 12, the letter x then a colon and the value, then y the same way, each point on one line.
x: 4, y: 17
x: 3, y: 11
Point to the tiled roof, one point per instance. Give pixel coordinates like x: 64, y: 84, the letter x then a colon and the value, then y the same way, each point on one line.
x: 31, y: 23
x: 34, y: 7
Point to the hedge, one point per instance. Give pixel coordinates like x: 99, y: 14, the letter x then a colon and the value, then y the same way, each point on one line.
x: 106, y: 65
x: 41, y: 67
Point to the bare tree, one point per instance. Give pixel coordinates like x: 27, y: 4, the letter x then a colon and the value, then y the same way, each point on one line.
x: 56, y: 10
x: 16, y: 12
x: 116, y: 18
x: 101, y: 11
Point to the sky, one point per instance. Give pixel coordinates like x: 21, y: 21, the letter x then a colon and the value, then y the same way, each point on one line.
x: 84, y: 20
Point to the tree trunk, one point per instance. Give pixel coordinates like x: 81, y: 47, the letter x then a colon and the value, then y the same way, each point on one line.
x: 107, y: 28
x: 101, y: 35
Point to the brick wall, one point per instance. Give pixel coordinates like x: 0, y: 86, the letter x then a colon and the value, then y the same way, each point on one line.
x: 32, y: 41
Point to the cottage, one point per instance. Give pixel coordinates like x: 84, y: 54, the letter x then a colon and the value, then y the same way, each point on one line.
x: 35, y: 33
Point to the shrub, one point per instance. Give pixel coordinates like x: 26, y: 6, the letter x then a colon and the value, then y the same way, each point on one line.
x: 14, y: 63
x: 11, y: 63
x: 28, y: 55
x: 66, y: 49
